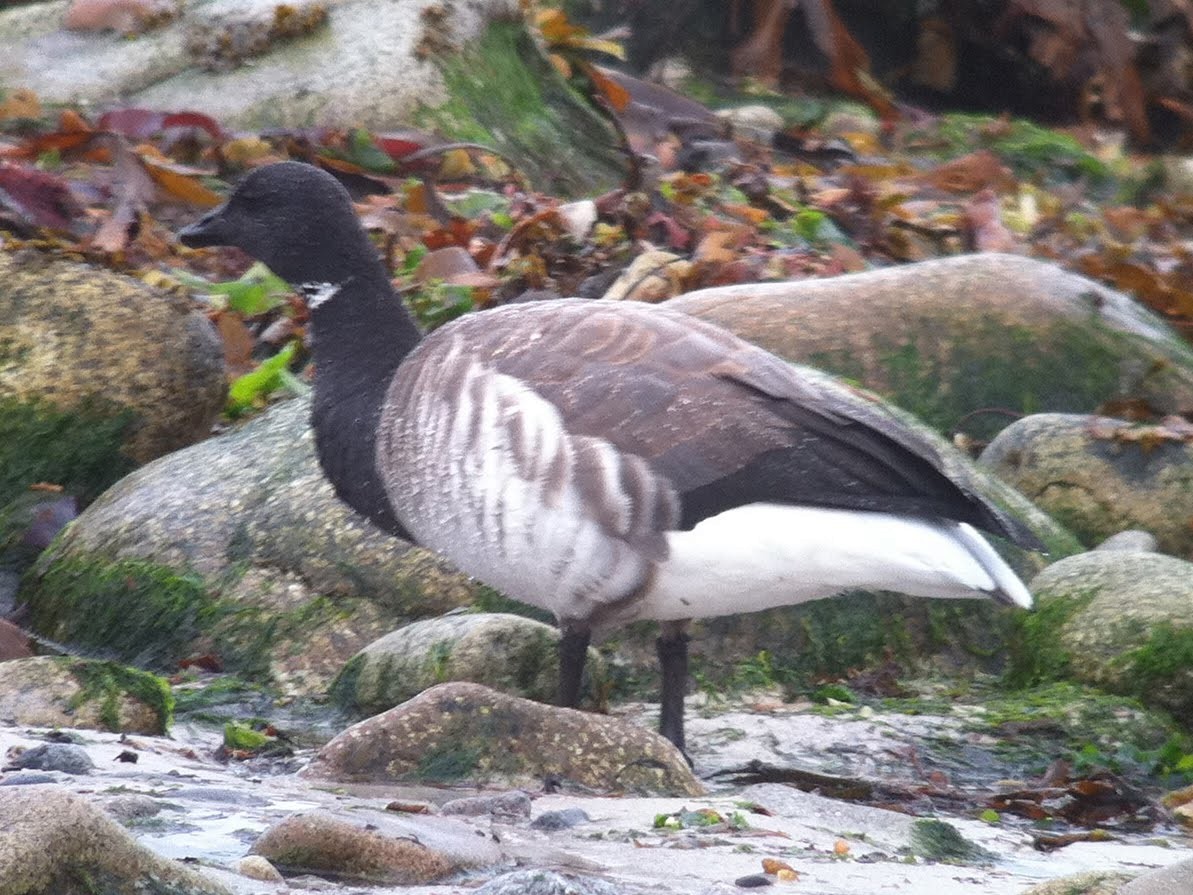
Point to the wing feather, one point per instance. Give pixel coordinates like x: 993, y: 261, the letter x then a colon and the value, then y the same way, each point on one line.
x: 722, y: 421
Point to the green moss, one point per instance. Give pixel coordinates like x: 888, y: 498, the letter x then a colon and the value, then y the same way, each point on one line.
x: 344, y: 691
x: 490, y: 600
x: 109, y: 682
x: 449, y: 765
x: 1065, y: 366
x: 242, y: 737
x: 939, y: 841
x: 1164, y: 658
x: 504, y: 94
x: 80, y: 449
x: 1036, y: 654
x: 139, y: 612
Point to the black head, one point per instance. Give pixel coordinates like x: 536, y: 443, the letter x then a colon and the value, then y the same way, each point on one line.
x: 295, y: 218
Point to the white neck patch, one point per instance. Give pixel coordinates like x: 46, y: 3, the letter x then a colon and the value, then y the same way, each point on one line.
x: 318, y: 293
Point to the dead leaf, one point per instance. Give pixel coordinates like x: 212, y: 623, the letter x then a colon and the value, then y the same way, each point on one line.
x: 760, y: 55
x: 983, y: 214
x: 36, y: 198
x: 179, y: 181
x: 20, y: 103
x: 133, y: 190
x: 238, y: 343
x: 970, y: 173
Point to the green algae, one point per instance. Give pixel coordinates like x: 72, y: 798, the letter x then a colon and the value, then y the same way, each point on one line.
x: 940, y: 841
x: 80, y: 449
x: 135, y: 611
x: 1036, y: 653
x: 109, y: 682
x: 1061, y: 366
x: 503, y: 93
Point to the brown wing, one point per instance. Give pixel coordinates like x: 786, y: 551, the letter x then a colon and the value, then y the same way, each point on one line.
x: 724, y: 421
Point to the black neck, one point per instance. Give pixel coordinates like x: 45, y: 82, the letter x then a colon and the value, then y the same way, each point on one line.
x: 362, y: 334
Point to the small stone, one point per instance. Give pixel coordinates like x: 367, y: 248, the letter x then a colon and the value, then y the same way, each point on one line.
x: 257, y: 867
x: 511, y: 804
x: 753, y: 881
x: 563, y: 819
x: 128, y: 808
x: 64, y: 757
x: 758, y: 123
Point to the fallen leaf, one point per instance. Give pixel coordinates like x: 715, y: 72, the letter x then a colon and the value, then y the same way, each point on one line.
x: 38, y: 199
x: 20, y: 103
x: 970, y: 173
x: 774, y: 865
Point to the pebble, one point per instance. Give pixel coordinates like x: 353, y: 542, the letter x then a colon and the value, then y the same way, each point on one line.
x: 65, y: 757
x: 514, y: 803
x: 560, y: 820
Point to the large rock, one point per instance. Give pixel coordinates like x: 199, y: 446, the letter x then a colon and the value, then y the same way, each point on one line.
x: 98, y: 372
x: 53, y: 841
x: 1120, y: 621
x: 376, y: 846
x: 48, y: 691
x: 1099, y: 476
x: 465, y: 67
x: 236, y: 546
x: 462, y: 732
x: 946, y: 338
x: 516, y: 655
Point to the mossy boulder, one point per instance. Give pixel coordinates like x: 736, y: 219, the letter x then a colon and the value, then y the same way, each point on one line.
x: 510, y: 653
x: 48, y: 691
x: 98, y: 372
x: 1099, y: 476
x: 466, y: 733
x: 54, y: 841
x: 466, y: 68
x: 1119, y: 621
x: 946, y: 338
x: 238, y: 547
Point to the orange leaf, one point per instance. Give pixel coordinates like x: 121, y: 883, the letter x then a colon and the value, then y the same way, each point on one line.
x: 614, y: 94
x: 20, y: 103
x: 178, y: 181
x: 774, y: 865
x: 970, y: 173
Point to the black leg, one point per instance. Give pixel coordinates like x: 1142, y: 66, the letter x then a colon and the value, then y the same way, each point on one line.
x: 573, y: 651
x: 672, y: 647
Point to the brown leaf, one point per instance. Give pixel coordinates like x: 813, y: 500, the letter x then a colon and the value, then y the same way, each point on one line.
x: 179, y: 181
x: 774, y: 865
x: 20, y: 103
x: 983, y: 214
x: 970, y: 173
x: 238, y: 343
x: 36, y: 198
x: 133, y: 190
x: 612, y: 92
x: 760, y: 55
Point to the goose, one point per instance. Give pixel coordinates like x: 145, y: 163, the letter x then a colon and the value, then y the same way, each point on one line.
x: 607, y: 461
